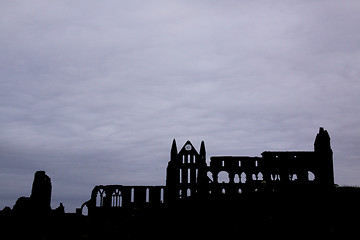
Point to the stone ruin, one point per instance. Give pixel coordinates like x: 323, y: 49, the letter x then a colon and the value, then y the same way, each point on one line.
x: 190, y: 178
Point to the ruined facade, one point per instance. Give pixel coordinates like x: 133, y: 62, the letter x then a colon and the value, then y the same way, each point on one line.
x: 189, y: 177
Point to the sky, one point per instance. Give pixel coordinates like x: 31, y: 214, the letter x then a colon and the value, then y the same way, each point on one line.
x: 94, y: 92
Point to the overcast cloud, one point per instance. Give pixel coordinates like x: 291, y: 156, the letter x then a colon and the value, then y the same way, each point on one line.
x: 93, y: 92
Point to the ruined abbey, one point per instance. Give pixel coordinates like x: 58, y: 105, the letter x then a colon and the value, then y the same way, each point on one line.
x: 280, y: 194
x: 190, y: 178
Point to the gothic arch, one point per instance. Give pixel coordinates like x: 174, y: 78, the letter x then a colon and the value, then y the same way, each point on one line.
x: 100, y: 197
x: 116, y: 198
x: 223, y: 177
x: 311, y: 176
x: 237, y: 178
x: 243, y: 177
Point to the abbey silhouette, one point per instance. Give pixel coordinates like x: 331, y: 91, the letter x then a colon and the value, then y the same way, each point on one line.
x: 189, y: 177
x: 280, y: 194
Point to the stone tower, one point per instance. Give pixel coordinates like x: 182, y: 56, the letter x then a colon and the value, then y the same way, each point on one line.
x: 41, y: 192
x: 324, y: 158
x: 186, y: 172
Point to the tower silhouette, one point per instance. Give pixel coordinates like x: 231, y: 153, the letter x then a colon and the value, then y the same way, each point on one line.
x: 324, y: 158
x: 186, y: 172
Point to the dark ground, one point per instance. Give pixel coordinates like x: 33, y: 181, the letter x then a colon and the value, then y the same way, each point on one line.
x: 332, y: 214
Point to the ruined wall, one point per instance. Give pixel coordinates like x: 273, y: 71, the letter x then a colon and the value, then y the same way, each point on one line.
x: 39, y: 202
x: 112, y: 197
x: 274, y: 170
x: 234, y: 175
x: 188, y: 176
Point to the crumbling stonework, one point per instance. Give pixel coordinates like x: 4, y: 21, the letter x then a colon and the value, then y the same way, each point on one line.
x: 190, y: 178
x: 40, y: 198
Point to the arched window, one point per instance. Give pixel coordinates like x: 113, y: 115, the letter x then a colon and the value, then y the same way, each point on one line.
x: 189, y: 176
x: 180, y: 175
x: 293, y: 177
x: 116, y: 198
x: 311, y: 176
x: 243, y: 177
x: 237, y: 178
x: 188, y: 193
x: 196, y: 175
x: 147, y: 194
x: 132, y: 195
x: 254, y: 176
x: 223, y: 177
x: 162, y: 195
x: 85, y: 211
x: 260, y: 176
x: 100, y: 198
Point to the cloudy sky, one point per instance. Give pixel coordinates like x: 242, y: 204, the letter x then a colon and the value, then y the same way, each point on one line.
x: 93, y: 92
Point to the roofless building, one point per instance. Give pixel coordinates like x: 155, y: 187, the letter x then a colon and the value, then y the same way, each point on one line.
x: 189, y: 177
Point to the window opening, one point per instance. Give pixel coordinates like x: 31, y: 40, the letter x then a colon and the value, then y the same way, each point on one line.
x: 132, y: 195
x: 196, y: 175
x: 180, y: 180
x: 311, y: 176
x: 189, y: 175
x: 223, y: 177
x: 237, y: 178
x: 147, y: 198
x: 243, y: 177
x: 116, y: 198
x: 162, y: 195
x: 100, y: 198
